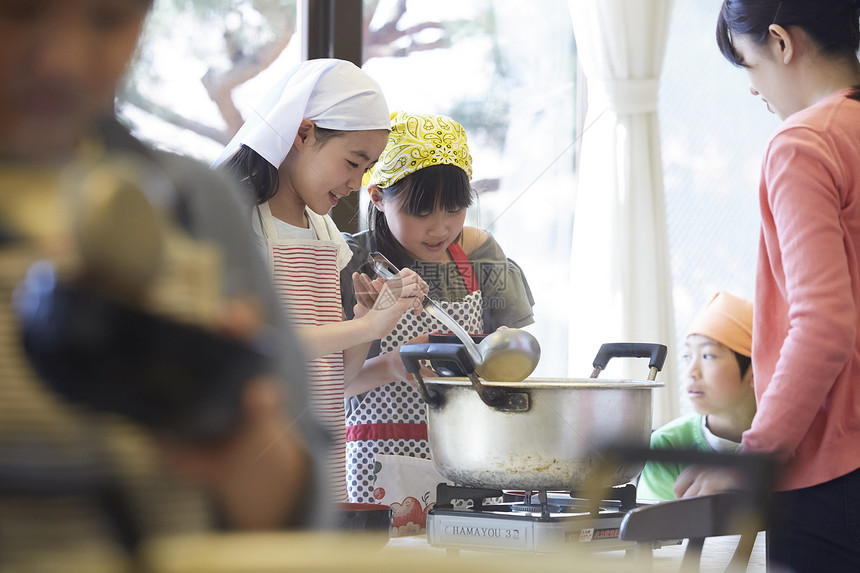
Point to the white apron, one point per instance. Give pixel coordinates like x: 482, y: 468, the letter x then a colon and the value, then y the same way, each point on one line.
x: 391, y: 419
x: 307, y: 280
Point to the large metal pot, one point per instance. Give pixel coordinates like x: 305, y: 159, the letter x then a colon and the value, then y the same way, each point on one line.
x: 539, y: 434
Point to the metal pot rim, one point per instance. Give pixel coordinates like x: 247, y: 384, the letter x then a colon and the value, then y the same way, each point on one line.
x: 550, y: 383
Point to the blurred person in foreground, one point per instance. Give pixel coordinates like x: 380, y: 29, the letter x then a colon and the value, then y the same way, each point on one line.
x: 80, y: 488
x: 719, y: 381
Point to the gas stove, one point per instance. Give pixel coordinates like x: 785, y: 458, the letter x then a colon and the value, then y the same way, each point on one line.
x: 539, y: 522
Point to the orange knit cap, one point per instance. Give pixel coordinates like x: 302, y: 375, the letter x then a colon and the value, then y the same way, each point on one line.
x: 728, y: 320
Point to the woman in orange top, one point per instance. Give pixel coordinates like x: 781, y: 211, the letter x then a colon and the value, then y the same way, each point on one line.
x: 801, y: 59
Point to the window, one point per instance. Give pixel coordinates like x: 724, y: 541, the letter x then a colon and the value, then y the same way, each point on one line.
x: 507, y: 71
x: 202, y: 65
x: 504, y: 69
x: 713, y: 135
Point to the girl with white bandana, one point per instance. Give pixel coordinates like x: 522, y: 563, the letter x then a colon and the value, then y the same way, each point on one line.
x: 309, y: 143
x: 420, y: 190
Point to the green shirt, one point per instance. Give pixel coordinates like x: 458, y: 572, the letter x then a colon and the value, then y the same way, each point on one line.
x: 657, y: 479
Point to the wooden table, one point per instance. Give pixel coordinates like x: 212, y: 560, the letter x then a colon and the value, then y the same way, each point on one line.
x: 335, y: 553
x: 716, y: 554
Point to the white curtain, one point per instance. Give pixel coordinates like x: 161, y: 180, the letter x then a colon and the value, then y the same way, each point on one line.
x: 622, y: 284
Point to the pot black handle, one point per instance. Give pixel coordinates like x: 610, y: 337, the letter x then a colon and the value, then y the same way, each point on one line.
x: 496, y: 398
x: 413, y: 354
x: 656, y: 353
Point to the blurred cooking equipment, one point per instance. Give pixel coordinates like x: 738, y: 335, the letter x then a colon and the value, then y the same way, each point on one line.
x: 506, y: 355
x: 178, y: 379
x: 371, y: 519
x: 121, y: 316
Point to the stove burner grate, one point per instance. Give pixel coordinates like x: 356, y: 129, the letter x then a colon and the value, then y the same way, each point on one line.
x: 621, y: 499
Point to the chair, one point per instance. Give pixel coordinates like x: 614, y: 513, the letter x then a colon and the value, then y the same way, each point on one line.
x: 743, y: 513
x: 696, y: 519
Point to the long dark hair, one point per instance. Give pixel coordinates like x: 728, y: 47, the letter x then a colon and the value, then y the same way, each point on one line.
x: 259, y: 176
x: 439, y: 186
x: 834, y: 25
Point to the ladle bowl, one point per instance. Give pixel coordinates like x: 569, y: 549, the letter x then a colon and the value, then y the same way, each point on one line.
x: 508, y: 355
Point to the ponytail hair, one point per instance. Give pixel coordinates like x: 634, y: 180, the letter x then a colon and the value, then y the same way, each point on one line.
x: 255, y: 174
x: 259, y: 176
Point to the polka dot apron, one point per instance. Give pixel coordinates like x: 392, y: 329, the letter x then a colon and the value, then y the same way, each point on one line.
x: 391, y: 419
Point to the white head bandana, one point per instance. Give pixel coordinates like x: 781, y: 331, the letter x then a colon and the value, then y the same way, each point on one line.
x: 334, y: 94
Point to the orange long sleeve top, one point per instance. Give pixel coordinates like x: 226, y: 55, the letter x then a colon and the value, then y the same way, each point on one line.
x: 806, y: 351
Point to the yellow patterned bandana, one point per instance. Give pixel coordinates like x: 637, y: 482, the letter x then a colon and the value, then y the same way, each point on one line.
x: 419, y: 141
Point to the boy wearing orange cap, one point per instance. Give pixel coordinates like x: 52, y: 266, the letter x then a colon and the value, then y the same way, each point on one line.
x: 719, y: 383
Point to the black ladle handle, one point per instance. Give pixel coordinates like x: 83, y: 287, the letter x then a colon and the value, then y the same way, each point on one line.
x: 655, y: 352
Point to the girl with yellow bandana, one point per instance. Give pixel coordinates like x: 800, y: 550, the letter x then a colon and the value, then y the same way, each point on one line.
x: 420, y: 190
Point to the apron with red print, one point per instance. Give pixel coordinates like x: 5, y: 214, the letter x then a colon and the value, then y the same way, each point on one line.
x: 386, y: 435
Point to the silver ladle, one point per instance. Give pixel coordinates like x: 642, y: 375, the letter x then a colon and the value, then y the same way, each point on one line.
x: 506, y: 355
